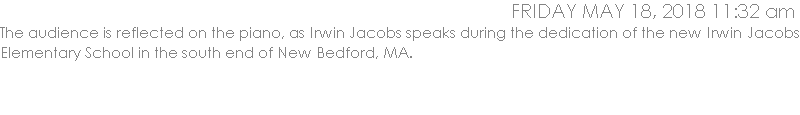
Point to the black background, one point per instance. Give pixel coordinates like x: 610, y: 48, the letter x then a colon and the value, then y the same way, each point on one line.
x: 449, y: 70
